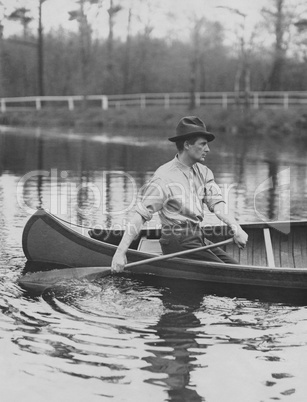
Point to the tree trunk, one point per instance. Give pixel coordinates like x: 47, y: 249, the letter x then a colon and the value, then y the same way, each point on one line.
x: 126, y: 64
x: 40, y: 51
x: 192, y: 84
x: 202, y: 71
x: 2, y: 94
x: 85, y: 39
x: 275, y: 78
x: 110, y: 47
x: 195, y: 60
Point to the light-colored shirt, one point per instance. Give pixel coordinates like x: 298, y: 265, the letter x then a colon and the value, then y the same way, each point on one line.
x: 178, y: 193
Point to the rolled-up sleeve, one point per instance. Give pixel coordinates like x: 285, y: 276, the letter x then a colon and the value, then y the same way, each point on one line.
x: 151, y: 199
x: 212, y: 193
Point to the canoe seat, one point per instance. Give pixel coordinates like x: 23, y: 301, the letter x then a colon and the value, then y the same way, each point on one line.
x: 151, y: 246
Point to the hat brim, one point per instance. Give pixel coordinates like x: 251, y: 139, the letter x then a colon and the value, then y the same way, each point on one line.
x: 209, y: 136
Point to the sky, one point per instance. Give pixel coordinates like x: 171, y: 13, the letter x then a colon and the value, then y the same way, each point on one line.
x: 55, y: 13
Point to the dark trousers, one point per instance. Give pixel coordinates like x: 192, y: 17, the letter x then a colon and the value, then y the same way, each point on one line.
x: 178, y: 239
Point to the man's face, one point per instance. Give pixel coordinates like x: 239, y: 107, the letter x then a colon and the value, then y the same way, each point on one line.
x: 198, y: 151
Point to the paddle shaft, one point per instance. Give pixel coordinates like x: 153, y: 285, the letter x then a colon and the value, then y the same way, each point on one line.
x: 178, y: 254
x: 38, y: 282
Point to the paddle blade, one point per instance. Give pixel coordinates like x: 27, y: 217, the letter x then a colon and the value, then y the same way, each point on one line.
x: 38, y: 282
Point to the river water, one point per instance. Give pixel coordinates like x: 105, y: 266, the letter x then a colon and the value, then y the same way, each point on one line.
x: 130, y: 339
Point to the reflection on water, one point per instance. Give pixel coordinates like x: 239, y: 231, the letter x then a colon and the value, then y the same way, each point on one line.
x: 93, y: 182
x: 177, y: 330
x: 125, y: 339
x: 136, y: 339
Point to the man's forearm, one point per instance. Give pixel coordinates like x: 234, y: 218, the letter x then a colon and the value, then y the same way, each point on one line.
x: 219, y: 210
x: 133, y: 229
x: 239, y: 235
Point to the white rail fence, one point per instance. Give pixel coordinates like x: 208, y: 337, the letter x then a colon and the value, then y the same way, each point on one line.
x: 255, y: 100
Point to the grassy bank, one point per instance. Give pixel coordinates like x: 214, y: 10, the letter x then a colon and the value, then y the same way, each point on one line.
x: 264, y: 121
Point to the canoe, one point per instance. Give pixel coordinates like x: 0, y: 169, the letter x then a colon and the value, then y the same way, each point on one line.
x: 275, y: 258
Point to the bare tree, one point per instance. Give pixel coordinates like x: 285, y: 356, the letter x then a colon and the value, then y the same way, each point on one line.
x: 85, y: 43
x: 280, y: 16
x: 301, y: 40
x: 274, y: 81
x: 40, y: 50
x: 127, y: 57
x: 242, y: 77
x: 22, y: 15
x: 2, y: 16
x: 1, y: 61
x: 112, y: 11
x: 144, y: 37
x: 196, y: 37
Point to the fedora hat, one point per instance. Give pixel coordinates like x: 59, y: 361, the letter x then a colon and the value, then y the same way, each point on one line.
x: 188, y: 127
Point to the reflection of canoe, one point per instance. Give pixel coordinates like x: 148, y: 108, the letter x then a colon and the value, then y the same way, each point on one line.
x: 282, y: 247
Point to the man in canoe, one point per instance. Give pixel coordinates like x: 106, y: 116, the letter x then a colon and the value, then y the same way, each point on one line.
x: 177, y: 191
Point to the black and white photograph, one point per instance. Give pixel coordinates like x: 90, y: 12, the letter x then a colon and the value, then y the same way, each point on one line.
x: 153, y: 200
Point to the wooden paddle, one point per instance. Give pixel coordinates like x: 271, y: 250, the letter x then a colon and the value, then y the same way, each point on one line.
x: 40, y: 281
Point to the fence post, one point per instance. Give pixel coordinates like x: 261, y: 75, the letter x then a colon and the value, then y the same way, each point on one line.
x: 38, y: 104
x: 286, y: 101
x: 225, y: 101
x: 104, y: 102
x: 256, y: 100
x: 143, y: 101
x: 3, y: 106
x: 166, y: 101
x: 197, y: 99
x: 71, y: 105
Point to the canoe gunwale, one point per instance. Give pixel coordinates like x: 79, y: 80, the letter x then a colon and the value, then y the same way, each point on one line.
x: 97, y: 245
x: 204, y: 271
